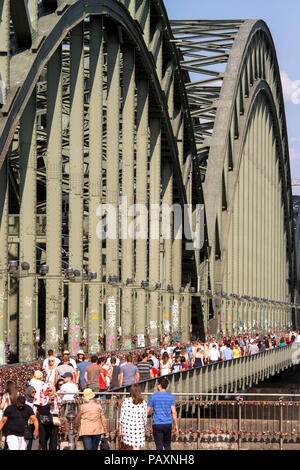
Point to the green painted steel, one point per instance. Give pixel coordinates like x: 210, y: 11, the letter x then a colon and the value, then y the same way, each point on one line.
x: 98, y: 105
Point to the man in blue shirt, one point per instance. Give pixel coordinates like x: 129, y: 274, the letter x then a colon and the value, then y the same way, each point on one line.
x: 81, y: 366
x: 227, y: 353
x: 189, y: 349
x: 163, y: 405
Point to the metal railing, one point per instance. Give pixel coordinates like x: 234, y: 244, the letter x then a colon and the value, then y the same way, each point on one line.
x: 229, y: 376
x: 233, y: 421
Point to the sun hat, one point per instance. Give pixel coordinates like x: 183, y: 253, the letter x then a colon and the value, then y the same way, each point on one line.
x: 88, y: 394
x: 80, y: 352
x: 66, y: 352
x: 38, y: 375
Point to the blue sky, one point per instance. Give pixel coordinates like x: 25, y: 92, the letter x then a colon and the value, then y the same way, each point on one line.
x: 283, y: 19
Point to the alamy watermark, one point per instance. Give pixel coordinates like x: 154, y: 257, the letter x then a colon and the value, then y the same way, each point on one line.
x: 153, y: 222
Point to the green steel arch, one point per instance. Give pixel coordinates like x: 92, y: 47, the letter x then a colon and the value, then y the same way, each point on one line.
x: 95, y: 108
x: 97, y: 103
x: 242, y: 148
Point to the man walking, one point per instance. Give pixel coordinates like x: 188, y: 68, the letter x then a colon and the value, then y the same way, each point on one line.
x: 64, y: 367
x: 227, y: 353
x: 81, y: 366
x: 164, y: 408
x: 16, y: 418
x: 214, y: 354
x: 144, y: 368
x: 129, y: 373
x: 91, y: 374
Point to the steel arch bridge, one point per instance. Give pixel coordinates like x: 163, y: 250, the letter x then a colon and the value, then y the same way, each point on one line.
x: 106, y: 102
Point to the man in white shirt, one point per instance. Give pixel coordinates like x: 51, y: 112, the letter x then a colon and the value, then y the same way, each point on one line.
x: 69, y: 387
x: 50, y: 354
x: 213, y: 354
x: 213, y: 343
x: 221, y: 348
x: 171, y: 348
x: 164, y: 349
x: 297, y: 340
x: 113, y: 354
x: 154, y: 360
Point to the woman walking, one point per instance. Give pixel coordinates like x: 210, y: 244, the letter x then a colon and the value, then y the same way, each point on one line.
x: 29, y: 398
x: 206, y: 354
x: 165, y: 364
x: 9, y: 398
x: 133, y: 419
x: 50, y: 371
x: 90, y: 422
x: 198, y: 357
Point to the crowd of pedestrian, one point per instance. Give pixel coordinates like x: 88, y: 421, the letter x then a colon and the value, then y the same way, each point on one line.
x: 52, y: 392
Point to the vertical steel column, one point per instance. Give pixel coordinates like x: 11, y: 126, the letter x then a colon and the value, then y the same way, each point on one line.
x: 54, y: 205
x: 112, y: 180
x: 27, y: 314
x: 236, y: 248
x: 128, y: 138
x: 186, y: 303
x: 167, y: 199
x: 33, y: 13
x: 4, y: 86
x: 251, y: 183
x: 141, y: 198
x: 76, y: 184
x: 248, y: 203
x: 12, y: 307
x: 177, y: 253
x: 268, y: 213
x: 95, y: 178
x: 156, y: 313
x: 154, y: 231
x: 255, y: 209
x: 167, y: 228
x: 247, y: 259
x: 241, y: 234
x: 4, y: 50
x: 3, y: 259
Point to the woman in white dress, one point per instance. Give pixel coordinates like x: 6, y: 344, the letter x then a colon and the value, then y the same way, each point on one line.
x: 50, y: 371
x: 133, y: 419
x: 165, y: 364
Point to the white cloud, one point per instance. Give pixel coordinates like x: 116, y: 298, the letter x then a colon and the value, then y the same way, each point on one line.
x: 294, y: 155
x: 291, y: 89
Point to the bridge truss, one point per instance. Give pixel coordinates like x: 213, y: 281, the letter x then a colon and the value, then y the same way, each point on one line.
x: 100, y: 105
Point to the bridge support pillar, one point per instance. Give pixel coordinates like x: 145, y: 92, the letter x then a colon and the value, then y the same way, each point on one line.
x: 54, y: 205
x: 4, y: 320
x: 155, y: 314
x: 112, y: 180
x: 94, y: 315
x: 27, y: 283
x: 142, y: 142
x: 128, y: 194
x: 76, y: 289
